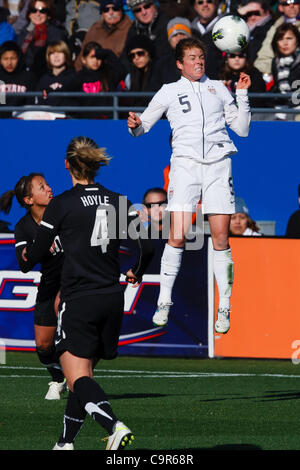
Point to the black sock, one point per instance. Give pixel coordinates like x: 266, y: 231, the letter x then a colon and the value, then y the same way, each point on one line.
x: 95, y: 402
x: 73, y: 419
x: 49, y: 359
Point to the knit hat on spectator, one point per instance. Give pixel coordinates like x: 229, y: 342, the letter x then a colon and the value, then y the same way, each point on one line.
x: 240, y: 206
x: 179, y: 25
x: 116, y: 3
x: 135, y: 3
x: 141, y: 42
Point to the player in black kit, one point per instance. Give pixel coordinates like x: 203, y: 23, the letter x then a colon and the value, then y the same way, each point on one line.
x: 90, y: 221
x: 34, y: 194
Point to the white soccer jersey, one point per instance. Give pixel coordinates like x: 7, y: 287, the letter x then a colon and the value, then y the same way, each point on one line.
x: 198, y: 113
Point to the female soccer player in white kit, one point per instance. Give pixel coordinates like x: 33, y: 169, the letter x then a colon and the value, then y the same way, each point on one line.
x: 198, y: 110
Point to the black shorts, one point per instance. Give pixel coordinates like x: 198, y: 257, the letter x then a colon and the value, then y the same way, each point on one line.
x: 90, y: 326
x: 44, y: 313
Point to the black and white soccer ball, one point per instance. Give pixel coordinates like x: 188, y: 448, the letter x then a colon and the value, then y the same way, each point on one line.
x: 230, y: 34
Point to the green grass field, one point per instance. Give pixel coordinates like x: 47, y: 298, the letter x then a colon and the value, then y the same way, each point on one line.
x: 170, y: 404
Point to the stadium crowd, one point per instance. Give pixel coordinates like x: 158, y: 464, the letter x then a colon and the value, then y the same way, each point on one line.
x: 128, y: 45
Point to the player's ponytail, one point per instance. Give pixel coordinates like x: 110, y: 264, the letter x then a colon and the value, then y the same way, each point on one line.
x: 21, y: 190
x: 6, y: 201
x: 85, y: 158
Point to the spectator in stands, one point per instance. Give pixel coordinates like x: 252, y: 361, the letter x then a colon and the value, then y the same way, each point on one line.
x: 14, y: 76
x: 81, y: 15
x: 100, y: 73
x: 241, y: 222
x: 149, y: 21
x: 259, y: 19
x: 286, y: 64
x: 59, y: 77
x: 202, y: 25
x: 290, y: 11
x: 293, y: 226
x: 145, y: 71
x: 236, y: 63
x: 7, y: 32
x: 38, y: 34
x: 175, y: 8
x: 110, y: 31
x: 59, y: 8
x: 154, y: 212
x: 177, y: 29
x: 17, y: 13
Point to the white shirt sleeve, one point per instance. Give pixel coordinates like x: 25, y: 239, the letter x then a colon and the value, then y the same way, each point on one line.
x: 238, y: 116
x: 154, y: 111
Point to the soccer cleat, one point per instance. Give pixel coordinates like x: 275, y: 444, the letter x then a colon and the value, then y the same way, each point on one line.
x: 65, y: 446
x: 55, y: 390
x: 222, y: 324
x: 121, y: 437
x: 160, y: 317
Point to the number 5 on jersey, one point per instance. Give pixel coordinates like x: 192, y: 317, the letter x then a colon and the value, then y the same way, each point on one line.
x: 100, y: 231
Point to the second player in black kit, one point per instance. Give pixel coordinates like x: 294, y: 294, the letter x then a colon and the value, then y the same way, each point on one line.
x: 34, y: 194
x: 91, y: 221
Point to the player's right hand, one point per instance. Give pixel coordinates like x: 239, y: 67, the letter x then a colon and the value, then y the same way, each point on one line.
x: 132, y: 279
x: 133, y: 120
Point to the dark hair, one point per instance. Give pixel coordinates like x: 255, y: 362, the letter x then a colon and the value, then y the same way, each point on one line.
x: 188, y: 43
x: 141, y: 41
x: 104, y: 69
x: 140, y: 79
x: 22, y: 189
x: 85, y: 158
x: 227, y: 73
x: 10, y: 46
x: 154, y: 190
x: 90, y: 46
x: 280, y: 32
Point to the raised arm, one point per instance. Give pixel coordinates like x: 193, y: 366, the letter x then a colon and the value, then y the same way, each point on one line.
x: 238, y: 116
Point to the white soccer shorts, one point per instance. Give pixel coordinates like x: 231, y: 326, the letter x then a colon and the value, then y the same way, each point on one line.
x: 191, y: 181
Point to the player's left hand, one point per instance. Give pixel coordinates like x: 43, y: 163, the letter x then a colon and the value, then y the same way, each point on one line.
x: 244, y: 82
x: 132, y: 279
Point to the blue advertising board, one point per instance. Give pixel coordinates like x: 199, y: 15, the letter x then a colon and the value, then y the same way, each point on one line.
x: 265, y: 171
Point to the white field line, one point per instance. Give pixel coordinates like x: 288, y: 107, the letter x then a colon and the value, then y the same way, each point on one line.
x: 144, y: 373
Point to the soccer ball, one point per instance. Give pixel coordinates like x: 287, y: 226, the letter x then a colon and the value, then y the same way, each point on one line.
x: 230, y: 34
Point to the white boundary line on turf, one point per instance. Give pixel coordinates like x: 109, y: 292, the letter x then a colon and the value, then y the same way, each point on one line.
x: 150, y: 374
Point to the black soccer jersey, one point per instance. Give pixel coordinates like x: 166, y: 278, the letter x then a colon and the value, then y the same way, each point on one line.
x: 51, y: 263
x: 91, y: 221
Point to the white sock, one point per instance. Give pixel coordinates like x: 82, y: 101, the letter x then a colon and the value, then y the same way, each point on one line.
x: 223, y: 270
x: 169, y: 267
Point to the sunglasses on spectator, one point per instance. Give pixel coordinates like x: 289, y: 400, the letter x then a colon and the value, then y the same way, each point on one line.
x: 200, y: 2
x: 112, y: 7
x: 159, y: 203
x: 143, y: 7
x: 289, y: 2
x: 43, y: 11
x: 137, y: 53
x: 241, y: 55
x: 252, y: 13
